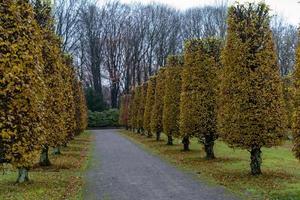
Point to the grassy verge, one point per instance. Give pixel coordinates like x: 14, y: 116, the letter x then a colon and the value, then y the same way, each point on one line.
x: 281, y: 171
x: 62, y: 180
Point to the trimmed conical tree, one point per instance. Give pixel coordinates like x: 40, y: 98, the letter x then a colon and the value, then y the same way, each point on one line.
x: 136, y: 107
x: 171, y: 109
x: 141, y: 109
x: 157, y: 110
x: 150, y: 99
x: 53, y: 104
x: 251, y: 113
x: 296, y: 115
x: 131, y: 110
x: 22, y: 88
x: 80, y: 107
x: 199, y: 89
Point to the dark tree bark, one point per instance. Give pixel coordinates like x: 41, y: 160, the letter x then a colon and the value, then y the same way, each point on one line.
x: 23, y: 175
x: 255, y: 161
x: 157, y: 136
x: 209, y: 147
x: 56, y: 151
x: 186, y: 143
x: 170, y: 140
x: 44, y: 158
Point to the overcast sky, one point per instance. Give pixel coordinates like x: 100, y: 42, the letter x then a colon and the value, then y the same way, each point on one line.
x: 289, y: 9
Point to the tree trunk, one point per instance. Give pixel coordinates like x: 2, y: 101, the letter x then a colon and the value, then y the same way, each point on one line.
x: 149, y: 134
x: 170, y: 140
x: 255, y: 161
x: 44, y: 158
x: 186, y: 143
x: 209, y: 147
x: 157, y: 136
x: 23, y: 175
x: 56, y: 151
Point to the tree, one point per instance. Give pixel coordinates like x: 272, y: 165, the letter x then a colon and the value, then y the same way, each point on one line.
x: 251, y: 113
x: 22, y: 87
x: 171, y: 109
x: 136, y: 108
x: 157, y: 111
x: 296, y: 116
x: 150, y: 99
x: 52, y: 76
x: 131, y: 110
x: 124, y: 110
x: 141, y: 109
x: 198, y: 95
x: 80, y: 106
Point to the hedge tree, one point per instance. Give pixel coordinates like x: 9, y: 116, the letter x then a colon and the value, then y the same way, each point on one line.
x: 251, y: 114
x: 68, y: 112
x: 157, y: 110
x: 123, y: 117
x: 171, y: 110
x: 150, y: 99
x: 141, y: 110
x: 131, y: 109
x: 136, y: 107
x: 53, y: 103
x: 199, y: 89
x: 22, y: 88
x: 81, y: 116
x: 296, y: 116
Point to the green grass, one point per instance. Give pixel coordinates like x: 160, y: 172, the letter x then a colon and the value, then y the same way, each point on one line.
x: 62, y: 180
x: 281, y: 171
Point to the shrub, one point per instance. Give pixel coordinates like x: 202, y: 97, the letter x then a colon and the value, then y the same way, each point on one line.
x: 107, y: 118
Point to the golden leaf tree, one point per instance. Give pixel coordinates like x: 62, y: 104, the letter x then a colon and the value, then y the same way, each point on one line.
x: 149, y: 102
x: 251, y: 113
x: 141, y: 109
x: 198, y: 107
x: 22, y: 88
x: 80, y: 106
x: 136, y: 107
x: 54, y: 101
x: 123, y: 116
x: 171, y: 110
x: 131, y: 110
x: 157, y: 110
x: 296, y: 115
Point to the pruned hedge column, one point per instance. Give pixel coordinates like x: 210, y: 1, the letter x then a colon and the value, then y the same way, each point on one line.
x: 22, y: 88
x: 157, y: 111
x: 296, y: 115
x: 150, y: 99
x: 199, y: 90
x: 171, y: 109
x: 251, y: 113
x: 141, y: 109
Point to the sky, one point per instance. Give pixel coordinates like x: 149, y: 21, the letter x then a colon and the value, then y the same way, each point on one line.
x: 289, y: 9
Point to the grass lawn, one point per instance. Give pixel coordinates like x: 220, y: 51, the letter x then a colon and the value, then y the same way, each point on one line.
x: 62, y: 180
x: 281, y: 171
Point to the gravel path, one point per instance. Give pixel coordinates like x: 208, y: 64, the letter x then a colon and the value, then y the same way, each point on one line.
x: 123, y: 171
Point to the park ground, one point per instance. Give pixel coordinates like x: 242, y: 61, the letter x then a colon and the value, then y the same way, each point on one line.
x: 64, y: 179
x: 281, y: 170
x: 89, y: 169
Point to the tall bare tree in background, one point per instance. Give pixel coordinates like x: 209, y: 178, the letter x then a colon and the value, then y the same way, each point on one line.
x: 118, y: 46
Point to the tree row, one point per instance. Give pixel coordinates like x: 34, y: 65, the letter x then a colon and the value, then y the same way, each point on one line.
x: 42, y: 102
x: 230, y: 91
